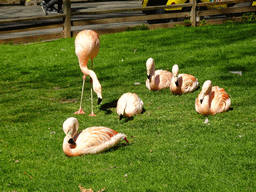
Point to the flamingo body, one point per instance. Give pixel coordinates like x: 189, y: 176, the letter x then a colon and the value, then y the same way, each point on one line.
x: 87, y: 44
x: 92, y: 140
x: 212, y: 100
x: 159, y: 79
x: 129, y: 104
x: 182, y: 83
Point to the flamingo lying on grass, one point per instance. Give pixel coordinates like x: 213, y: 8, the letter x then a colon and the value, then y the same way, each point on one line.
x: 182, y: 83
x: 212, y: 100
x: 87, y: 44
x: 92, y: 140
x: 159, y: 79
x: 129, y: 104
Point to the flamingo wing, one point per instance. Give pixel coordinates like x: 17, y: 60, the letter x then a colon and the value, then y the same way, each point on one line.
x: 221, y: 101
x: 97, y: 139
x: 163, y: 79
x: 190, y: 83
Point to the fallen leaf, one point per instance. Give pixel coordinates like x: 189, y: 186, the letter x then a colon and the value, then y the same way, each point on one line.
x: 89, y: 190
x: 85, y: 190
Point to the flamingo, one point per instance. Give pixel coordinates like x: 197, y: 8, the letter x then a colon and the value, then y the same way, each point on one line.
x: 92, y: 140
x: 129, y: 104
x: 212, y: 100
x: 159, y: 79
x: 182, y: 83
x: 87, y: 44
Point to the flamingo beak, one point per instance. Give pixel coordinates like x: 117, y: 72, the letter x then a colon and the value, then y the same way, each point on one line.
x: 176, y: 83
x: 201, y: 101
x: 99, y: 100
x: 121, y: 117
x: 148, y: 76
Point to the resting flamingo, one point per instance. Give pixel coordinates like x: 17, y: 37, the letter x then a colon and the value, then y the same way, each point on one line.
x: 92, y: 140
x: 129, y: 104
x: 182, y: 83
x: 159, y: 79
x: 212, y: 100
x: 87, y: 44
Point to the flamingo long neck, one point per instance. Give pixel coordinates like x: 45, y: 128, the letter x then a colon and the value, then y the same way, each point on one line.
x: 152, y: 77
x: 67, y: 150
x: 174, y: 88
x: 206, y: 104
x: 95, y: 80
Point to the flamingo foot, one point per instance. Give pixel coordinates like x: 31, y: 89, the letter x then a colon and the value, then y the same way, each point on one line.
x: 92, y: 114
x: 80, y: 111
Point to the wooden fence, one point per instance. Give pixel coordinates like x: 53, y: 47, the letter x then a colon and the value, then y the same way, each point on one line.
x: 69, y: 19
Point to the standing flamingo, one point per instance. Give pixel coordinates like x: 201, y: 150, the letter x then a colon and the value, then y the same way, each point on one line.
x: 89, y: 141
x: 212, y: 100
x: 159, y: 79
x: 87, y: 44
x: 129, y: 104
x: 182, y: 83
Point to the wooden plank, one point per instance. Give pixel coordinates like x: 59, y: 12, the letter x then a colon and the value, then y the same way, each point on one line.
x: 121, y: 29
x: 225, y: 11
x: 222, y: 2
x: 29, y: 28
x: 104, y: 11
x: 129, y: 19
x: 24, y: 19
x: 222, y: 21
x: 37, y: 38
x: 67, y: 22
x: 193, y: 13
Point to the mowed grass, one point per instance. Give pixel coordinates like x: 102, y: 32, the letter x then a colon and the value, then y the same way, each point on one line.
x: 171, y: 148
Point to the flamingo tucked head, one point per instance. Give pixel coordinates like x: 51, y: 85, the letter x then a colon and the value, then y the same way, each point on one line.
x: 175, y: 73
x: 207, y: 87
x: 70, y: 126
x: 150, y: 65
x: 97, y: 90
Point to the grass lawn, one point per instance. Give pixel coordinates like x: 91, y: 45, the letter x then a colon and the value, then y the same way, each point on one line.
x: 171, y: 148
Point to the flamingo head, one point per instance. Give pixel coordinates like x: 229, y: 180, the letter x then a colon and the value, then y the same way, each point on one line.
x: 150, y: 65
x: 70, y: 126
x: 207, y: 87
x: 175, y: 70
x: 97, y: 90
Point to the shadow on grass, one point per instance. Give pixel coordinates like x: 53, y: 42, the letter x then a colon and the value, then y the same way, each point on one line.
x: 106, y: 107
x: 119, y: 145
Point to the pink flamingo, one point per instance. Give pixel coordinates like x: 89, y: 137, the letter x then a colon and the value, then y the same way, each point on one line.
x: 92, y: 140
x: 159, y: 79
x: 212, y: 100
x: 87, y: 44
x: 129, y: 104
x: 182, y: 83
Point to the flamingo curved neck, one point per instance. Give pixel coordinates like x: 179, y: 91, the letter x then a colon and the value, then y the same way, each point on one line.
x: 205, y: 106
x: 67, y: 150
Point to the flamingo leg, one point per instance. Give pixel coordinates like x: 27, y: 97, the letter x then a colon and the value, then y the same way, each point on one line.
x: 80, y: 110
x: 92, y: 113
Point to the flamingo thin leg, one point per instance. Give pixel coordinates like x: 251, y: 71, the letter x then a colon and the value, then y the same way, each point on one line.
x: 80, y: 110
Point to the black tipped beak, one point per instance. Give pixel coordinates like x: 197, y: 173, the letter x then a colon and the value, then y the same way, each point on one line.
x: 201, y: 101
x: 148, y: 76
x: 99, y: 100
x: 121, y: 117
x: 71, y: 141
x: 176, y: 83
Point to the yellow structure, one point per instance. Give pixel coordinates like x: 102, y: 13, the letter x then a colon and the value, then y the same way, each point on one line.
x: 146, y: 3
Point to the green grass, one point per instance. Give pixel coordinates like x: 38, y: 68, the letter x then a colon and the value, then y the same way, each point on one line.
x: 171, y: 148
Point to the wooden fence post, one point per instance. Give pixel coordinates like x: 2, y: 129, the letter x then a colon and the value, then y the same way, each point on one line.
x: 67, y: 22
x: 193, y: 12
